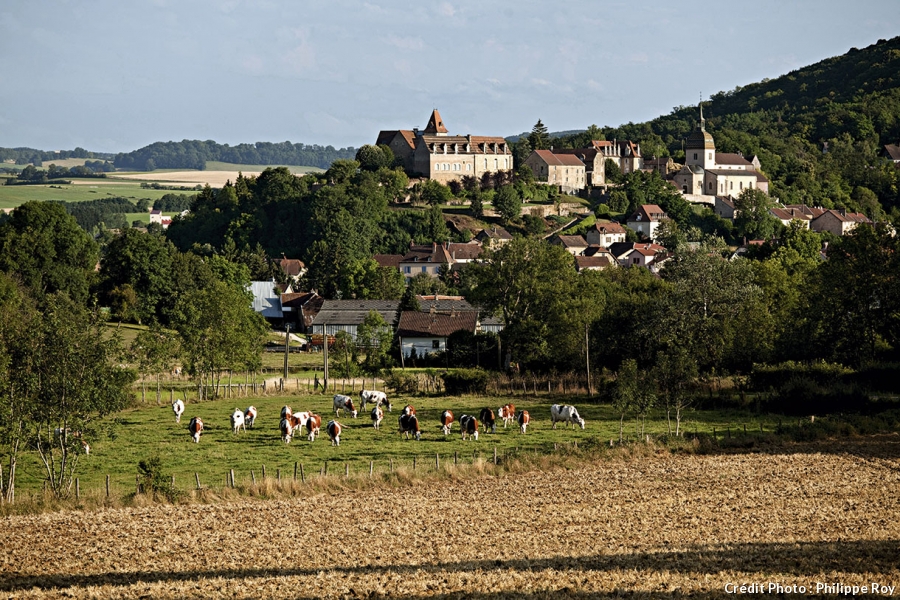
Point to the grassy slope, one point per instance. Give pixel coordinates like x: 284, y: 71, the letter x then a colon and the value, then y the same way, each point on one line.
x: 14, y: 195
x: 150, y: 430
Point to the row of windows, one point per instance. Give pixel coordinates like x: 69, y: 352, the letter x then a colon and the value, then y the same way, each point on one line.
x: 409, y: 270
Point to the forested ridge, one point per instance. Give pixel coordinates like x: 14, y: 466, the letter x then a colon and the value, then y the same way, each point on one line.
x: 194, y: 154
x: 819, y: 131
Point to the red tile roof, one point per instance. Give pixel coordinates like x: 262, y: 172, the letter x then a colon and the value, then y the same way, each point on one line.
x: 565, y: 160
x: 435, y: 123
x: 608, y: 227
x: 388, y: 260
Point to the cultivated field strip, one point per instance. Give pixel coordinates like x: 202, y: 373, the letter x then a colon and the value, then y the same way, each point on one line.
x: 659, y: 525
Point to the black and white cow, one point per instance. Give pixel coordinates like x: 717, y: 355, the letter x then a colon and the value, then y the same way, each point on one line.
x: 409, y: 425
x: 468, y: 425
x: 566, y: 413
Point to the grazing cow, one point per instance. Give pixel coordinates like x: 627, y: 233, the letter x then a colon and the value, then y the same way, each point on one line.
x: 285, y: 411
x: 313, y: 423
x: 63, y: 434
x: 409, y: 409
x: 250, y: 416
x: 379, y: 398
x: 524, y: 418
x: 409, y: 424
x: 566, y: 413
x: 377, y: 416
x: 488, y: 420
x: 287, y: 429
x: 237, y: 421
x: 334, y: 432
x: 468, y: 425
x: 300, y: 419
x: 507, y: 412
x: 178, y: 409
x: 446, y: 421
x: 342, y: 402
x: 196, y: 428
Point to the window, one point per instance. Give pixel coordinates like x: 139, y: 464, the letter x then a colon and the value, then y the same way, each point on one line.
x: 485, y: 164
x: 695, y: 156
x: 407, y: 269
x: 709, y: 156
x: 730, y: 185
x: 468, y: 167
x: 435, y: 344
x: 424, y: 269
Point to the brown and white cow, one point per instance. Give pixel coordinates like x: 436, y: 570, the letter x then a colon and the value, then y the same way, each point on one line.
x: 196, y: 428
x: 377, y: 416
x: 178, y: 409
x: 285, y: 411
x: 313, y: 423
x: 409, y: 425
x: 342, y: 402
x: 409, y: 409
x: 468, y: 425
x: 488, y: 420
x: 507, y: 412
x: 334, y: 432
x: 446, y: 421
x: 566, y: 413
x: 250, y: 416
x: 237, y: 421
x: 287, y: 429
x: 524, y: 419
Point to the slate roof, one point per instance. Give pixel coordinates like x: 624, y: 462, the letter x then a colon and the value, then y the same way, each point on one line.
x: 354, y: 312
x: 729, y: 158
x: 435, y: 253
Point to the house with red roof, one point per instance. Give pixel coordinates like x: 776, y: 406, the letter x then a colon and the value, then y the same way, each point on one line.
x: 646, y: 219
x: 566, y: 171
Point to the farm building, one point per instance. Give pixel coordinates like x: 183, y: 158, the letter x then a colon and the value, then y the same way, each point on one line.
x: 427, y: 332
x: 348, y: 315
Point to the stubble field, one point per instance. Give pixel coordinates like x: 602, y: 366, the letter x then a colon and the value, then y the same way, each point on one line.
x: 658, y: 525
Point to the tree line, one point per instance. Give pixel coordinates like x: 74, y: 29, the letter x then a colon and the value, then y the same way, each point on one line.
x: 194, y: 154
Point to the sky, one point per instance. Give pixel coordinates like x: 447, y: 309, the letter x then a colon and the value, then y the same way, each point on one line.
x: 114, y: 75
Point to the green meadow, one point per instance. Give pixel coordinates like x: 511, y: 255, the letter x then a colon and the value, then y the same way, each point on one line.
x: 148, y: 430
x: 14, y: 195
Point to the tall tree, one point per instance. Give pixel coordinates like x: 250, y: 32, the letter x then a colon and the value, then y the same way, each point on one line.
x: 752, y: 218
x: 44, y: 246
x: 539, y: 138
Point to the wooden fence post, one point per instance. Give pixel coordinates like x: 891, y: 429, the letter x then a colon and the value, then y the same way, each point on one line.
x: 253, y: 477
x: 437, y: 462
x: 414, y: 463
x: 455, y: 458
x: 231, y: 471
x: 77, y: 489
x: 107, y: 486
x: 302, y: 476
x: 137, y: 483
x: 371, y: 467
x: 495, y: 455
x: 264, y: 472
x: 346, y: 469
x: 197, y: 478
x: 295, y: 471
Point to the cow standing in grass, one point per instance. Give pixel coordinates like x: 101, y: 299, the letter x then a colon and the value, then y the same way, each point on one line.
x: 566, y: 413
x: 178, y: 409
x: 468, y: 425
x: 446, y: 421
x: 378, y: 398
x: 342, y: 402
x: 250, y: 416
x: 507, y: 412
x: 196, y: 428
x: 237, y: 421
x: 377, y: 416
x: 334, y: 432
x: 312, y: 426
x: 409, y: 425
x: 524, y: 419
x: 488, y: 420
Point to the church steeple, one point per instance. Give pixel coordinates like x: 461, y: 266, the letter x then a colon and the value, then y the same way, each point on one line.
x: 435, y: 124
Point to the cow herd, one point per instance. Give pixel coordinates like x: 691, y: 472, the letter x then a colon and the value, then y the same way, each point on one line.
x: 309, y: 423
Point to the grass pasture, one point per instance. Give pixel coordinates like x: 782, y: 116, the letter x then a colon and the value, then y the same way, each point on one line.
x: 86, y: 189
x: 148, y: 430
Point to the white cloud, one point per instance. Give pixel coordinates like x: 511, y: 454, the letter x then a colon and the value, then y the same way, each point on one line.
x: 405, y: 43
x: 446, y: 9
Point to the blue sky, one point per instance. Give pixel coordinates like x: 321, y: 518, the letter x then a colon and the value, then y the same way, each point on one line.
x: 114, y: 75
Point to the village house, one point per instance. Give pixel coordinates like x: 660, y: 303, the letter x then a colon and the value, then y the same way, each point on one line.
x: 597, y: 262
x: 431, y: 259
x: 347, y: 315
x: 300, y: 309
x: 435, y: 154
x: 639, y: 254
x: 426, y: 332
x: 838, y: 222
x: 493, y: 238
x: 564, y: 171
x: 604, y: 233
x: 646, y: 219
x: 787, y: 214
x: 573, y: 244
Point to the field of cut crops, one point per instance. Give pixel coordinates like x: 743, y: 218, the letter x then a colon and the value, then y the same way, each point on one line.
x: 656, y: 524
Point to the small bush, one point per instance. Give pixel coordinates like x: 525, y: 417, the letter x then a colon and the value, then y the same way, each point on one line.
x: 466, y: 381
x: 155, y: 482
x: 400, y: 382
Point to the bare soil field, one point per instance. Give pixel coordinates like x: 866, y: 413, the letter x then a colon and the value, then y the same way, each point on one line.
x: 213, y: 178
x: 657, y: 525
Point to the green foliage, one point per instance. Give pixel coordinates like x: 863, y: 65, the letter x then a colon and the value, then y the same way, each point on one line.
x: 374, y: 337
x: 433, y: 192
x: 44, y: 246
x: 373, y: 158
x: 752, y: 219
x: 343, y: 356
x: 466, y: 381
x: 539, y: 139
x: 155, y: 481
x: 508, y: 203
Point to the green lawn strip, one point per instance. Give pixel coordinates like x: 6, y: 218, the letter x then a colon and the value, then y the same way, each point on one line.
x: 14, y: 195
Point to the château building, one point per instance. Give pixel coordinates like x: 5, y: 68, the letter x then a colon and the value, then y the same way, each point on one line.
x: 435, y: 154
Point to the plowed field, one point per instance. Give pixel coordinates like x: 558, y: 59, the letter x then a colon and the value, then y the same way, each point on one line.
x: 659, y: 526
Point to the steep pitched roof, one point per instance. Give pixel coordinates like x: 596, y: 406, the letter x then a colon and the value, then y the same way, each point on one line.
x: 388, y: 260
x: 387, y: 136
x: 435, y: 123
x: 428, y: 324
x: 469, y: 251
x: 571, y: 241
x: 494, y: 233
x: 893, y: 151
x: 564, y: 160
x: 354, y: 312
x: 593, y: 262
x: 291, y: 266
x: 606, y: 227
x: 730, y: 158
x: 435, y: 253
x: 648, y: 212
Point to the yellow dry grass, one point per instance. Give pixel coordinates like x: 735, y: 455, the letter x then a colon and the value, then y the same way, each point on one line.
x: 657, y: 525
x: 213, y: 178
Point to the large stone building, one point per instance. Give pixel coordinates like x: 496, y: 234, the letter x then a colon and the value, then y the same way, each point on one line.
x: 435, y: 154
x: 565, y: 171
x: 625, y: 154
x: 707, y: 173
